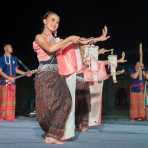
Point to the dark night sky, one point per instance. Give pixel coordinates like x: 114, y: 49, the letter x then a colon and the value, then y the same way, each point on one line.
x: 127, y: 21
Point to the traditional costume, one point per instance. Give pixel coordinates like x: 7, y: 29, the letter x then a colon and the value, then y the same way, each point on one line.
x: 95, y: 73
x: 146, y: 99
x: 67, y: 67
x: 53, y: 98
x: 7, y: 91
x: 137, y: 105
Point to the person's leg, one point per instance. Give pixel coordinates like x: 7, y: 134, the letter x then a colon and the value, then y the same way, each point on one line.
x: 70, y: 123
x: 133, y: 106
x: 141, y: 106
x: 82, y: 106
x: 50, y: 140
x: 10, y: 102
x: 96, y: 104
x: 146, y: 112
x: 146, y: 99
x: 53, y: 104
x: 1, y: 102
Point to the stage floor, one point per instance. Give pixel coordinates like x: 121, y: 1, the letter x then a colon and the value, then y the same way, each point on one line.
x: 26, y: 133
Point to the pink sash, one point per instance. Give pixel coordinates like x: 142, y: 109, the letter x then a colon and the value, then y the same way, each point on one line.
x: 98, y: 74
x: 67, y: 61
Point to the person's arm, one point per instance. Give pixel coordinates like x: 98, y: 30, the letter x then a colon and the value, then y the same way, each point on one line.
x: 146, y: 75
x: 21, y: 72
x: 93, y: 40
x: 51, y: 48
x: 135, y: 75
x: 122, y: 59
x: 103, y: 37
x: 103, y: 51
x: 5, y: 76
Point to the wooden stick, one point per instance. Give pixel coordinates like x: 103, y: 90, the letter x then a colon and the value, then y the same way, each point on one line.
x: 140, y: 60
x: 21, y: 76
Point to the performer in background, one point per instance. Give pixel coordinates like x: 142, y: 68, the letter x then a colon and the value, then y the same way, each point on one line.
x: 146, y: 95
x: 83, y: 94
x: 89, y: 89
x: 137, y: 103
x: 69, y: 64
x: 8, y: 70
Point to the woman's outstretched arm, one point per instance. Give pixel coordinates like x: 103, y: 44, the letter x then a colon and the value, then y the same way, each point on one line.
x: 53, y: 47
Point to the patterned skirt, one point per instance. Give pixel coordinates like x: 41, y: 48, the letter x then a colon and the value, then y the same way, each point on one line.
x: 137, y: 105
x: 146, y: 99
x: 53, y: 103
x: 7, y: 102
x: 146, y: 93
x: 82, y: 104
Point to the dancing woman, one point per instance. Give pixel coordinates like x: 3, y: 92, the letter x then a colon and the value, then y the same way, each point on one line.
x: 146, y: 95
x: 53, y: 98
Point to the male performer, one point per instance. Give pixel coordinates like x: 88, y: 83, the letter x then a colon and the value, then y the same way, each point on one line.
x: 8, y: 70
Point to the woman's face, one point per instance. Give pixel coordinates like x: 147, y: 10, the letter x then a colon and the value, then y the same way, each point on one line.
x: 52, y: 22
x: 139, y: 65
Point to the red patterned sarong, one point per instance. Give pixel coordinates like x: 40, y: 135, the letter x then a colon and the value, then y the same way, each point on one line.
x: 7, y: 102
x: 137, y: 106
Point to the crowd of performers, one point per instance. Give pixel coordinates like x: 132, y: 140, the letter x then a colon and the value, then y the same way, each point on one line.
x: 69, y: 92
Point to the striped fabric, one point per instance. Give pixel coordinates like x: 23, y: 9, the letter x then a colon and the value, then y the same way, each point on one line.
x: 7, y: 102
x: 146, y: 99
x: 137, y: 105
x: 146, y: 93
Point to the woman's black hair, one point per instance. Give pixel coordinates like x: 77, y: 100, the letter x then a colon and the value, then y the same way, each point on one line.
x: 46, y: 15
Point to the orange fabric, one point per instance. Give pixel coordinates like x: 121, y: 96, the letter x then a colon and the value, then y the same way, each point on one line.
x: 137, y: 106
x: 7, y: 102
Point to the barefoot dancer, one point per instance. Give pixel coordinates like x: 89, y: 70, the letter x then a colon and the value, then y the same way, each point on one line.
x: 53, y: 98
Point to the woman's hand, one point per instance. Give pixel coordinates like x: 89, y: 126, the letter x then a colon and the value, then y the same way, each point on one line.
x: 104, y: 35
x: 11, y: 79
x: 103, y: 51
x: 28, y: 73
x: 142, y: 66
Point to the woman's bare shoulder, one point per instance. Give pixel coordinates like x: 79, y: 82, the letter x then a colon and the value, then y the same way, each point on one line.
x: 39, y: 38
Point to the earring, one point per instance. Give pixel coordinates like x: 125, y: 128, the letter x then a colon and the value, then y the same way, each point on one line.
x: 55, y: 34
